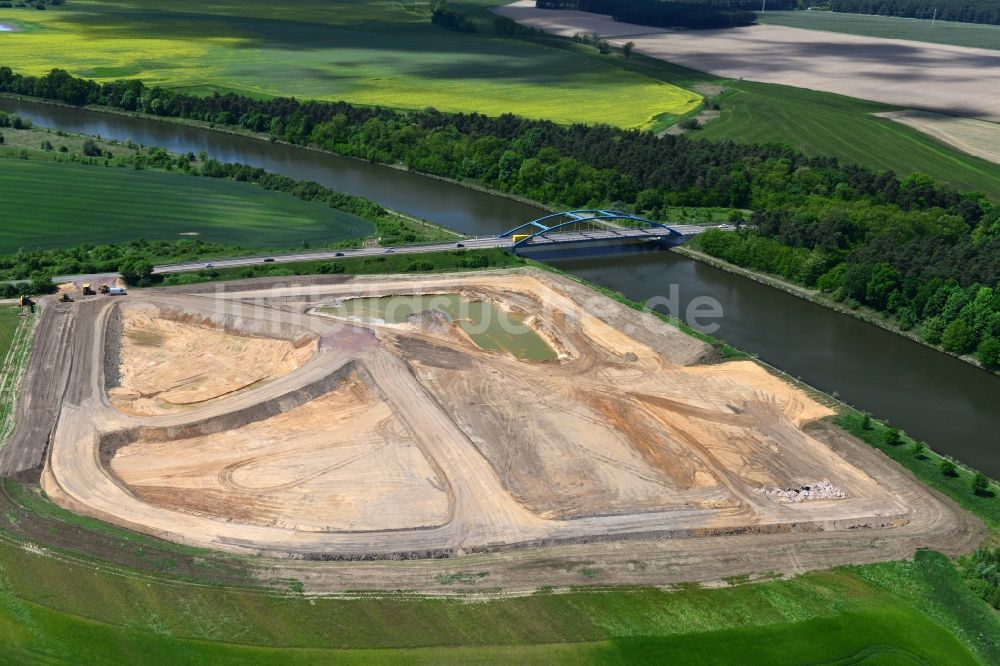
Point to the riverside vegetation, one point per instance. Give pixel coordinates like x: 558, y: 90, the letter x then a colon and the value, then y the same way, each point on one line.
x: 62, y: 186
x: 912, y: 249
x: 969, y: 11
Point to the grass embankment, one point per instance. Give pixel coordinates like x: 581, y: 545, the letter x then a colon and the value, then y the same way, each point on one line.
x: 381, y: 53
x: 976, y: 35
x: 49, y: 204
x: 57, y: 607
x: 926, y: 466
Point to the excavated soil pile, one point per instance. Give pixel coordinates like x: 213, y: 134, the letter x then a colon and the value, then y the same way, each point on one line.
x: 340, y: 462
x: 165, y: 364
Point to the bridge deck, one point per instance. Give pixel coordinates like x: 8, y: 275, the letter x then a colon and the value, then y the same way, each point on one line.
x: 607, y: 233
x: 603, y: 234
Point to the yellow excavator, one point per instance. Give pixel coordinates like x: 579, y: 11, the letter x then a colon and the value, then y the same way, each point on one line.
x: 87, y: 291
x: 26, y: 302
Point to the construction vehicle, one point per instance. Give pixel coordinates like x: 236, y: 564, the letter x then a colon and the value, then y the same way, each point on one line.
x: 105, y: 288
x: 66, y: 298
x: 87, y: 291
x: 26, y: 302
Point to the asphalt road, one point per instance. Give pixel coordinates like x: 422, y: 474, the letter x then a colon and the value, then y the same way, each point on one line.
x: 479, y: 243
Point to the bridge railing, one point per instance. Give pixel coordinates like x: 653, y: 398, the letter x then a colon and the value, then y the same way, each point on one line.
x: 581, y: 220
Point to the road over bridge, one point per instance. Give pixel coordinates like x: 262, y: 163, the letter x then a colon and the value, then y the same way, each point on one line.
x: 591, y: 227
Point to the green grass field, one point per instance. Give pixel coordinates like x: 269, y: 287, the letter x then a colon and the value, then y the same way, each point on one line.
x: 890, y: 27
x: 48, y: 204
x: 825, y: 124
x: 55, y: 607
x: 388, y: 54
x: 380, y: 52
x: 818, y: 123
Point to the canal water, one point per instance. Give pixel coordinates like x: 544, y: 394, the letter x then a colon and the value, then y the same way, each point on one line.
x: 461, y: 208
x: 951, y: 405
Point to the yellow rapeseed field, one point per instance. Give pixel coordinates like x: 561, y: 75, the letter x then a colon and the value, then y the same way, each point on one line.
x: 367, y: 53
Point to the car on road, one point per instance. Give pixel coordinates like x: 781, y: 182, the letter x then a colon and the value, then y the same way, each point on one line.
x: 209, y: 265
x: 723, y: 226
x: 459, y: 244
x: 389, y: 250
x: 338, y: 254
x: 269, y: 260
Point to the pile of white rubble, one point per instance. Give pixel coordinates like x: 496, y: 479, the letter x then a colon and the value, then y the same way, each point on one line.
x: 812, y: 491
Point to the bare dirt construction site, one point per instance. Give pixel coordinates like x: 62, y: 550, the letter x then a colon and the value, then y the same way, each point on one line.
x: 937, y: 77
x: 333, y: 419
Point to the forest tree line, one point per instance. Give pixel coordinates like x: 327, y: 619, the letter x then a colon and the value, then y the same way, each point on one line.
x: 966, y: 11
x: 839, y: 227
x: 692, y: 14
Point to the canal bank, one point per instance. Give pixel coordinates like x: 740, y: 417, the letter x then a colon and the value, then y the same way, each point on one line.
x: 934, y: 397
x: 815, y: 296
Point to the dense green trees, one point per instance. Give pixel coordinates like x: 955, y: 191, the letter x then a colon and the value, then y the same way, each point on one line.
x: 968, y: 11
x: 980, y: 484
x: 658, y: 13
x: 960, y: 318
x: 921, y: 253
x: 13, y: 120
x: 692, y: 14
x: 136, y: 271
x: 981, y: 571
x: 451, y: 20
x: 988, y: 352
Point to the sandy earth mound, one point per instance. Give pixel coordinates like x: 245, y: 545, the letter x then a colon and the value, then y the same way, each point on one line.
x: 340, y: 462
x: 168, y: 365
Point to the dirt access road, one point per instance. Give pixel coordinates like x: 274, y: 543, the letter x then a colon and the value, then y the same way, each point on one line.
x: 955, y: 80
x: 347, y: 439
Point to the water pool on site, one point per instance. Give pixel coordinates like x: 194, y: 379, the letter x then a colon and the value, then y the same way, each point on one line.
x: 489, y: 326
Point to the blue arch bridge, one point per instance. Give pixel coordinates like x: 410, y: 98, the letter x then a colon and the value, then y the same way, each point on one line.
x: 591, y: 227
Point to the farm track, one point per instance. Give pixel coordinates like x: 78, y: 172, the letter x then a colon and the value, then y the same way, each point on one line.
x: 11, y: 370
x: 484, y: 515
x: 42, y: 387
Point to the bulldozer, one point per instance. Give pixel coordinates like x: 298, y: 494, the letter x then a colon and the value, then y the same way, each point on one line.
x: 65, y: 298
x: 87, y: 291
x: 26, y: 302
